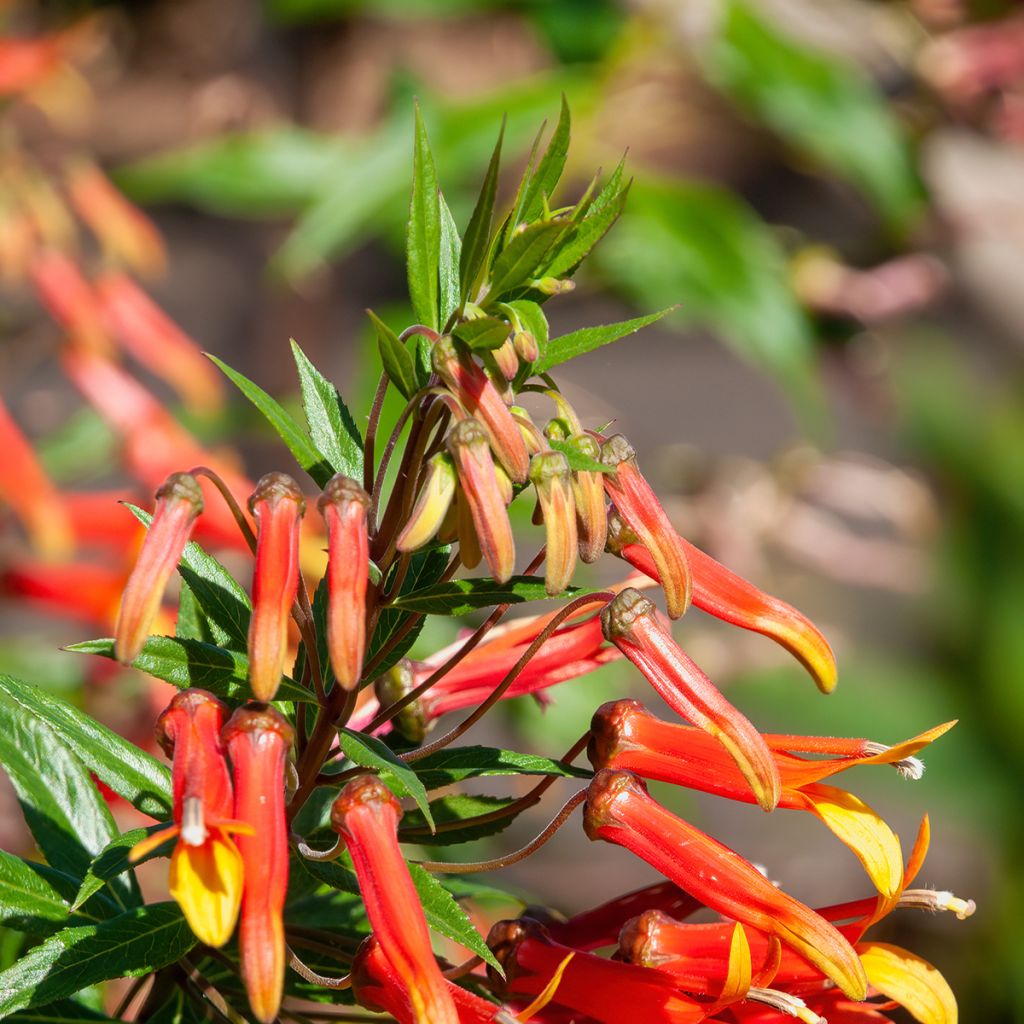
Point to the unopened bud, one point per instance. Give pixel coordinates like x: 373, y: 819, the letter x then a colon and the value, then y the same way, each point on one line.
x: 591, y: 506
x: 506, y: 359
x: 552, y: 477
x: 526, y: 345
x: 412, y: 721
x: 531, y: 433
x: 552, y: 285
x: 179, y: 501
x: 432, y: 505
x: 344, y: 506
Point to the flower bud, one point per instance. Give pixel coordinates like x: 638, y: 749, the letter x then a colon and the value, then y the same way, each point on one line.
x: 506, y: 359
x: 619, y: 810
x: 179, y: 501
x: 277, y: 506
x: 474, y: 389
x: 258, y: 740
x: 631, y: 622
x: 412, y: 721
x: 553, y: 285
x: 432, y: 505
x: 343, y: 506
x: 550, y: 474
x: 591, y: 506
x: 526, y: 346
x: 483, y: 498
x: 639, y: 507
x: 366, y: 816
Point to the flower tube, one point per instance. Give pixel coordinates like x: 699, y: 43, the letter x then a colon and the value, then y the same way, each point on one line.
x: 550, y: 474
x: 258, y: 739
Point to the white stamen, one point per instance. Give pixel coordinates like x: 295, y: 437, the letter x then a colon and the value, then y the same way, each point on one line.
x: 909, y: 767
x: 935, y: 900
x: 193, y: 828
x: 792, y: 1006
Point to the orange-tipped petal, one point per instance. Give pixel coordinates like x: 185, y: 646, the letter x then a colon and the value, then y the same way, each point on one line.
x: 366, y: 816
x: 913, y: 982
x: 620, y: 811
x: 258, y: 739
x: 344, y: 506
x: 25, y: 486
x: 468, y: 446
x: 630, y: 621
x: 178, y: 502
x: 551, y: 476
x: 277, y: 506
x: 639, y: 507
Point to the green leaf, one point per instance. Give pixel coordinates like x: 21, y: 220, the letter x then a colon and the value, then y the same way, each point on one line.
x: 483, y: 333
x: 129, y: 945
x: 220, y: 597
x: 586, y: 339
x: 28, y: 903
x: 423, y: 234
x: 454, y: 808
x: 62, y: 1011
x: 459, y: 597
x: 68, y: 818
x: 448, y: 270
x: 579, y: 242
x: 397, y: 360
x: 456, y: 764
x: 543, y: 181
x: 130, y: 772
x: 444, y: 915
x: 370, y: 752
x: 700, y: 246
x: 186, y: 663
x: 190, y: 623
x: 578, y: 462
x: 532, y: 319
x: 820, y: 104
x: 520, y: 260
x: 478, y: 232
x: 331, y: 427
x: 306, y: 455
x: 111, y: 863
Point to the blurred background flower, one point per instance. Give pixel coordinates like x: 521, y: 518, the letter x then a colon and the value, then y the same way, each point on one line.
x: 830, y: 190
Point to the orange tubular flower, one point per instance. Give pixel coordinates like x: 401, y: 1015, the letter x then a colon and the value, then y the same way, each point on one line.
x: 366, y: 816
x: 257, y: 740
x: 432, y: 504
x: 206, y: 867
x: 631, y: 622
x: 639, y: 507
x: 619, y: 810
x: 600, y: 989
x: 550, y: 474
x: 126, y: 234
x: 344, y: 506
x: 178, y: 503
x: 591, y: 510
x: 25, y: 486
x: 475, y: 390
x: 277, y: 506
x: 70, y: 299
x: 150, y: 336
x: 468, y: 446
x: 722, y: 593
x: 81, y: 590
x: 625, y: 735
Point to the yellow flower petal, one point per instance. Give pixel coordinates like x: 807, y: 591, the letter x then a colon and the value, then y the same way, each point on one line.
x: 911, y: 981
x: 206, y: 881
x: 863, y: 831
x: 737, y: 981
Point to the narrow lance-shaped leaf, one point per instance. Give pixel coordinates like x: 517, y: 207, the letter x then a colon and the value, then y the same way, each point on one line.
x: 456, y: 764
x: 397, y: 360
x: 478, y: 231
x: 582, y: 239
x: 423, y: 235
x: 331, y: 426
x: 450, y: 810
x: 543, y: 181
x: 130, y: 772
x: 448, y: 270
x: 458, y: 597
x: 522, y: 258
x: 28, y: 902
x: 568, y: 346
x: 483, y: 333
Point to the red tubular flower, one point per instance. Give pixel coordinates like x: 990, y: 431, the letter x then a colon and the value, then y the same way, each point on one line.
x: 25, y: 486
x: 475, y: 390
x: 277, y: 506
x: 619, y: 810
x: 125, y: 233
x: 468, y: 446
x: 377, y: 986
x: 366, y: 816
x: 631, y: 622
x: 550, y: 474
x: 344, y: 507
x: 720, y: 592
x: 206, y: 867
x: 257, y: 740
x: 70, y: 299
x: 626, y: 736
x: 639, y: 507
x: 81, y: 590
x: 602, y: 990
x: 145, y: 331
x: 591, y: 508
x: 178, y: 502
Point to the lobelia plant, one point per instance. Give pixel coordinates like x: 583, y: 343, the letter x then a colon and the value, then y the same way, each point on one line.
x: 267, y: 767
